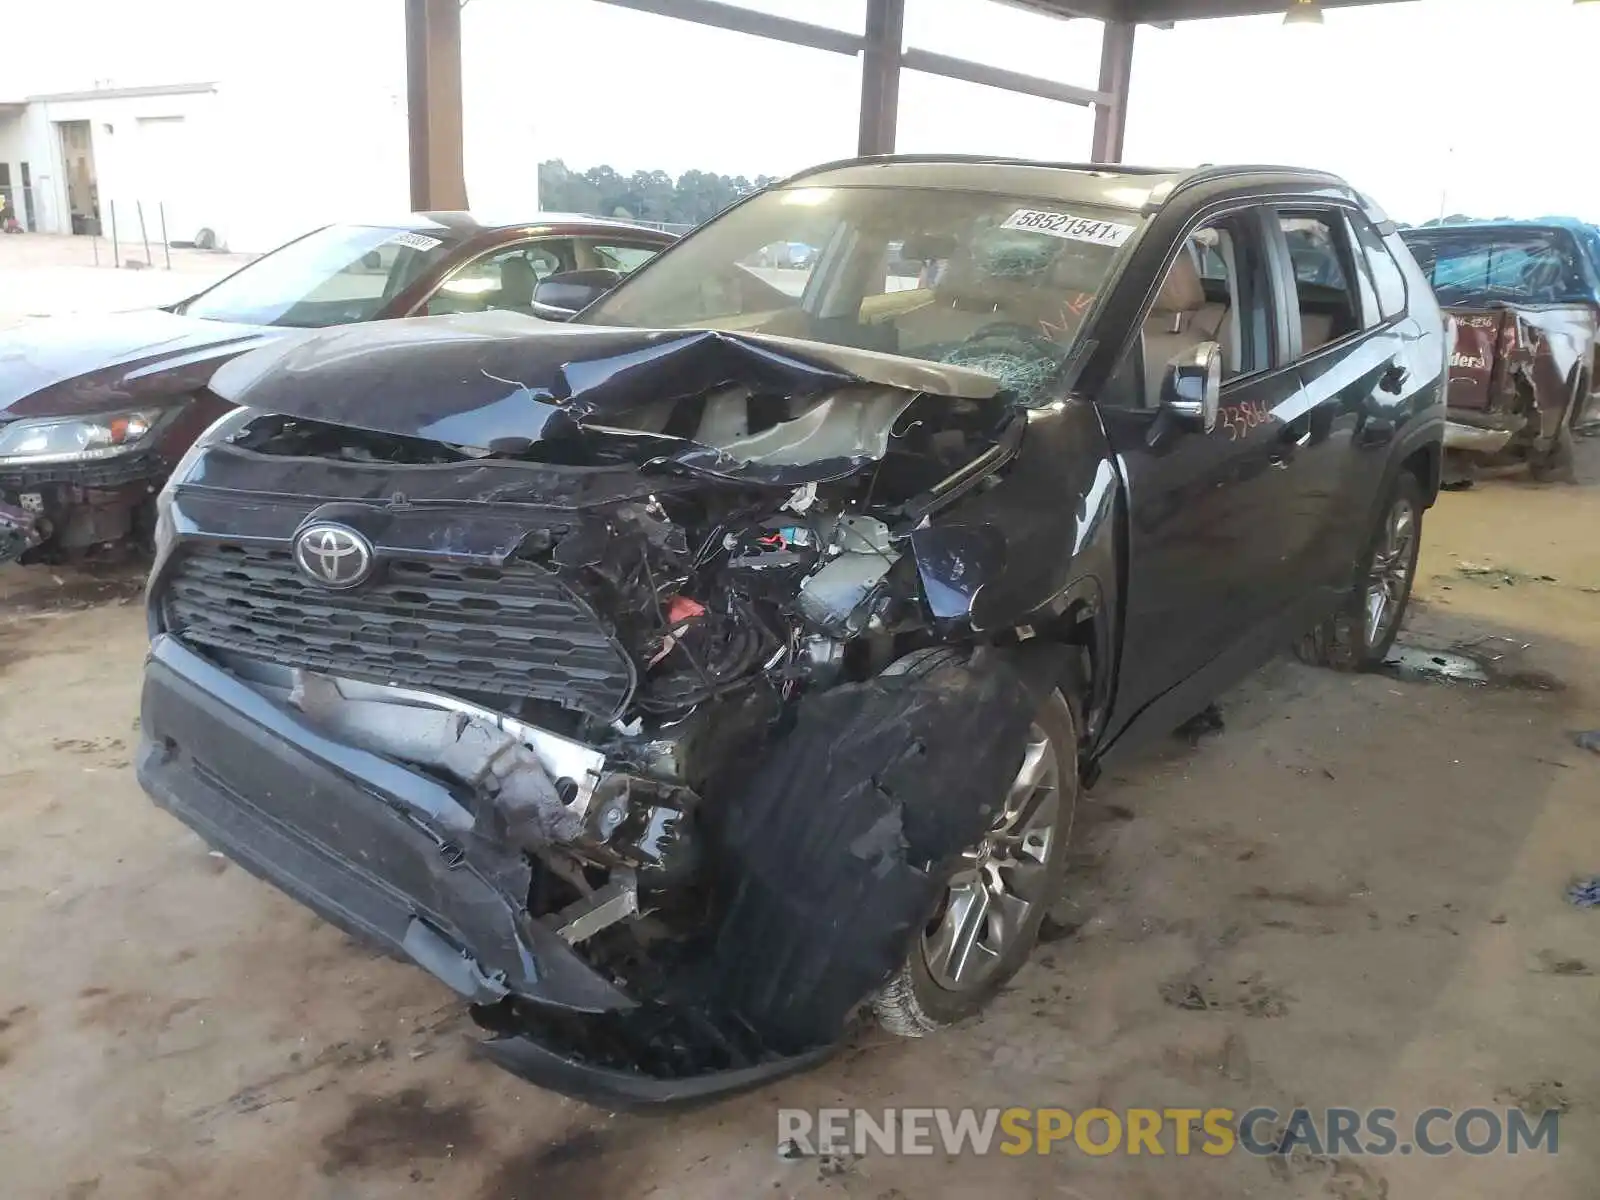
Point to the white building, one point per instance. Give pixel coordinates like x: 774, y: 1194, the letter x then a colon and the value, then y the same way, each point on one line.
x: 299, y: 120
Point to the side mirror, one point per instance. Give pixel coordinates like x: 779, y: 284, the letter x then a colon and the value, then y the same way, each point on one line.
x: 568, y: 292
x: 1192, y: 387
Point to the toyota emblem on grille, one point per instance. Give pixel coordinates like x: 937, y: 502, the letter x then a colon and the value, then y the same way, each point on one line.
x: 335, y: 556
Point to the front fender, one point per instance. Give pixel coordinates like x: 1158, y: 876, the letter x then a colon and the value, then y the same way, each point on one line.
x: 1039, y: 540
x: 1037, y: 545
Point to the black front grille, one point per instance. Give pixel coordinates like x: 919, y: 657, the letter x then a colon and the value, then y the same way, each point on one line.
x: 514, y: 631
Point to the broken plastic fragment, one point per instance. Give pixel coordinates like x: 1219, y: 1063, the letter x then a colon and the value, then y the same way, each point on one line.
x: 802, y: 498
x: 1585, y: 893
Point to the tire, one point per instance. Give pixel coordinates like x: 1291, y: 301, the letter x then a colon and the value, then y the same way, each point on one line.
x: 920, y: 999
x: 1558, y: 464
x: 1346, y: 640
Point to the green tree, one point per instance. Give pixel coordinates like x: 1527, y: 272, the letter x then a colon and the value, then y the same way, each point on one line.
x: 695, y: 196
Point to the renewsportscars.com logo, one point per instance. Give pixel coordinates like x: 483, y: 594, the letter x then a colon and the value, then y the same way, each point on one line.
x: 1162, y: 1131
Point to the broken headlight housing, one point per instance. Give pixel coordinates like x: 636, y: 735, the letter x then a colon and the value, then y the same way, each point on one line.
x: 79, y: 439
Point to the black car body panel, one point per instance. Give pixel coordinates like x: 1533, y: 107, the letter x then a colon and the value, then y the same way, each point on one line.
x: 581, y: 638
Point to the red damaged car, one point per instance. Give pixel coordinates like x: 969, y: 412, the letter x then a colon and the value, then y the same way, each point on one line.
x: 1525, y: 297
x: 96, y: 410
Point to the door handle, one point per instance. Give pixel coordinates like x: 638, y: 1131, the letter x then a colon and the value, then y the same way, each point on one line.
x: 1394, y: 378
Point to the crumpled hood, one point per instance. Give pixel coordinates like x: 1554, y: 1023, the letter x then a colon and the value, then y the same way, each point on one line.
x: 494, y: 380
x: 71, y: 365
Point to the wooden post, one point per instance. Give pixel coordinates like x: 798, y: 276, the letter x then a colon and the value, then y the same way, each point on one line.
x: 1116, y: 70
x: 880, y: 76
x: 433, y: 104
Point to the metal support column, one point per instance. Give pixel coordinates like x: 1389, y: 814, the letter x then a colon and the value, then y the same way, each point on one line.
x: 880, y: 75
x: 433, y: 104
x: 1116, y: 70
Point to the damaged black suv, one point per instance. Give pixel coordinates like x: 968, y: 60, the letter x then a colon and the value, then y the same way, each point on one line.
x: 684, y: 683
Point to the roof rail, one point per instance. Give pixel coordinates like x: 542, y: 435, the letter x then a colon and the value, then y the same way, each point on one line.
x: 1211, y: 172
x: 975, y: 160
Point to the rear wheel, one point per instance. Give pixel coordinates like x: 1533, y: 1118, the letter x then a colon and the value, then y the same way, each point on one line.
x: 987, y: 921
x: 1557, y: 463
x: 1360, y: 635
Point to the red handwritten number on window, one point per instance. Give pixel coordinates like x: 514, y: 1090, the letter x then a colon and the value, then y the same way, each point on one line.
x: 1240, y: 419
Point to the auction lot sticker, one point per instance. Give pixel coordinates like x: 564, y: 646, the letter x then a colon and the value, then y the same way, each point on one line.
x: 416, y: 241
x: 1065, y: 225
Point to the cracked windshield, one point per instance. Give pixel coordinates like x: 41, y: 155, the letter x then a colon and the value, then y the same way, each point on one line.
x: 995, y: 283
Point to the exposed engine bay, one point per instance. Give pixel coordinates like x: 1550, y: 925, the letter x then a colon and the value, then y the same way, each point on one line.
x: 603, y: 638
x: 728, y: 601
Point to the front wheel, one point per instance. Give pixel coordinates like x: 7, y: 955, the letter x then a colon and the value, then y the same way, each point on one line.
x: 1360, y: 635
x: 987, y: 921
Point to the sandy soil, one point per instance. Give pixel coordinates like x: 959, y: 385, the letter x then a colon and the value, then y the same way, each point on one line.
x: 1351, y: 896
x: 45, y: 274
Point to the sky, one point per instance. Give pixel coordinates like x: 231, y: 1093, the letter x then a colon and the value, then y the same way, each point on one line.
x: 1428, y: 105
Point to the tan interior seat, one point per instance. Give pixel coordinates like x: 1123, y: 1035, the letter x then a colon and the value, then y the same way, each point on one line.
x: 1172, y: 326
x: 1181, y: 319
x: 517, y: 281
x: 1316, y: 329
x: 964, y: 301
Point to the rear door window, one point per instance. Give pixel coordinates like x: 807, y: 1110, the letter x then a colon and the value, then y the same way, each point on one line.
x: 1323, y: 268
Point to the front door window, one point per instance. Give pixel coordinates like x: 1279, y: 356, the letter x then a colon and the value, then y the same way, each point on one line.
x: 503, y: 279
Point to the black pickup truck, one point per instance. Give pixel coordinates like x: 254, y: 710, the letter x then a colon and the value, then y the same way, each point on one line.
x: 684, y: 683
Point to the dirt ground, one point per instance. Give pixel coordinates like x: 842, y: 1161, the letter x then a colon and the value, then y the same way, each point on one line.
x: 1353, y: 895
x: 44, y: 274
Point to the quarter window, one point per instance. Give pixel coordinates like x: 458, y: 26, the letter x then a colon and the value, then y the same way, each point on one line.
x: 1323, y: 294
x: 1371, y: 312
x: 1387, y: 276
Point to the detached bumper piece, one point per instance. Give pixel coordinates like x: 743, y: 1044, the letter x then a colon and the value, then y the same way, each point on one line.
x: 392, y: 858
x: 650, y: 1057
x: 1472, y: 439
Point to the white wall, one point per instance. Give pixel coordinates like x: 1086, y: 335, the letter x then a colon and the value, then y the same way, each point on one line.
x: 149, y: 150
x: 253, y: 161
x: 307, y: 123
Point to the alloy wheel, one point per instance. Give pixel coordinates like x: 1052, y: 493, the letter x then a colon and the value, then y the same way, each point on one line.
x: 1390, y: 574
x: 990, y: 897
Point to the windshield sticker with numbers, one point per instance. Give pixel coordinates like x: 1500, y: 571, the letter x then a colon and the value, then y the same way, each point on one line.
x: 1065, y: 225
x: 417, y: 241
